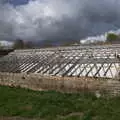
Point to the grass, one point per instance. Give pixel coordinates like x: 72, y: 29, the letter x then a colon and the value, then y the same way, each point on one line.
x: 51, y: 105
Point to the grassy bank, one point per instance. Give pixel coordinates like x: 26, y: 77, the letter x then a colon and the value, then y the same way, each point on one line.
x: 57, y: 106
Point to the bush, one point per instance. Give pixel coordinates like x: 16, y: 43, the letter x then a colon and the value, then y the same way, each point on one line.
x: 113, y: 38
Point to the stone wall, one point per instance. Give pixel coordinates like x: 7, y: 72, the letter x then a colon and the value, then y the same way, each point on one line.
x: 64, y: 84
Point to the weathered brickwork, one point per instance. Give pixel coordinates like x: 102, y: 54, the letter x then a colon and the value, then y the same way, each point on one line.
x: 64, y: 84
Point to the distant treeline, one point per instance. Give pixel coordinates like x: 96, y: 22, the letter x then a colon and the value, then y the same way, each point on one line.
x: 23, y: 44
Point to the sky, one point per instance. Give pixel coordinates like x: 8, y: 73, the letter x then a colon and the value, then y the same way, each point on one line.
x: 38, y: 20
x: 18, y: 2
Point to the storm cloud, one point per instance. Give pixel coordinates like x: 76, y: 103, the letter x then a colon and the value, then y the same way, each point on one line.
x: 58, y: 19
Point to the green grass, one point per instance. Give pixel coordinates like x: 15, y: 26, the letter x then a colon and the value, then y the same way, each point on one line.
x: 51, y: 105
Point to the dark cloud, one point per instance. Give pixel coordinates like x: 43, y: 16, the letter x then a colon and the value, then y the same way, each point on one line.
x: 58, y: 20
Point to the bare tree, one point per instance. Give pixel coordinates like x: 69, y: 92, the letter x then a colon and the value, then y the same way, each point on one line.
x: 19, y: 44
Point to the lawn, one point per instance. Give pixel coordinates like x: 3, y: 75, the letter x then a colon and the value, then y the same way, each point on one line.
x: 51, y: 105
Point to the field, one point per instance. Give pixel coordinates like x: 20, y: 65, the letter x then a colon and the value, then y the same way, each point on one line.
x: 50, y: 105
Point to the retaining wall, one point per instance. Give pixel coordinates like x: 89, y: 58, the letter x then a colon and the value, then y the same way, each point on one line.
x: 64, y: 84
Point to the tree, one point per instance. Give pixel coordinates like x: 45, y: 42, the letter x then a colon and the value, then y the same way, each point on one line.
x: 18, y: 44
x: 112, y: 38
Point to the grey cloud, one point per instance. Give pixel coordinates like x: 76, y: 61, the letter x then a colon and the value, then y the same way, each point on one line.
x: 59, y: 20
